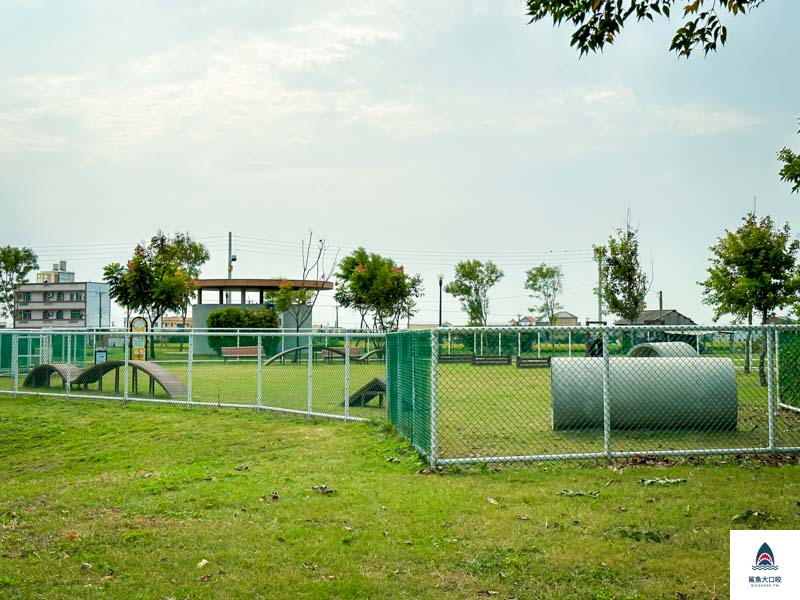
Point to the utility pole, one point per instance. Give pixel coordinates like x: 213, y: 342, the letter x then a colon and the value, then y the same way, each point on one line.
x: 661, y: 306
x: 599, y: 286
x: 231, y: 260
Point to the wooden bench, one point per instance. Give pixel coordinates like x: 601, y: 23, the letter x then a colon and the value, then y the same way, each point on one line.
x: 525, y: 362
x: 490, y: 360
x: 455, y: 358
x: 239, y: 352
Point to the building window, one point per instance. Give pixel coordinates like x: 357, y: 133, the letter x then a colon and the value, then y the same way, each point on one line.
x: 76, y: 314
x: 47, y: 315
x: 60, y: 297
x: 25, y: 315
x: 24, y: 297
x: 48, y: 296
x: 59, y: 314
x: 78, y: 296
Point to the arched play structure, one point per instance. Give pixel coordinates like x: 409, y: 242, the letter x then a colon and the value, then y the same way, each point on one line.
x: 81, y: 378
x: 662, y: 350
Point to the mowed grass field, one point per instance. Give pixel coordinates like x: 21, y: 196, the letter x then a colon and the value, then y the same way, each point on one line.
x: 483, y: 411
x: 101, y: 500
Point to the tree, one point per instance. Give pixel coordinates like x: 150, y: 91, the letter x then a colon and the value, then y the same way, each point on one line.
x: 299, y: 301
x: 624, y: 284
x: 156, y: 279
x: 790, y: 173
x: 546, y: 283
x: 191, y: 255
x: 376, y: 286
x: 15, y: 264
x: 242, y: 318
x: 753, y: 269
x: 473, y: 280
x: 599, y: 22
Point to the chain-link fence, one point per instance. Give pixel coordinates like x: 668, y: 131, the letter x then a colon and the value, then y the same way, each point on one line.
x: 338, y: 375
x: 521, y: 394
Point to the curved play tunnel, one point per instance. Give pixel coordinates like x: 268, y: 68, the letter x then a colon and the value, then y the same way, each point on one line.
x: 645, y: 393
x: 662, y: 350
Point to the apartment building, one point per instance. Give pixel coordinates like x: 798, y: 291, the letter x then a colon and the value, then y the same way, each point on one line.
x: 57, y: 301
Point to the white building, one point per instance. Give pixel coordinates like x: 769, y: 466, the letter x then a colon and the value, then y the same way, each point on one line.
x: 56, y: 300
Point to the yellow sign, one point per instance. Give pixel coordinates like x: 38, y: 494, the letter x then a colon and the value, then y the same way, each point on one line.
x: 138, y: 344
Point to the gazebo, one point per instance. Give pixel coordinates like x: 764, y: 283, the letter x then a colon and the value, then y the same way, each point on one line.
x: 214, y: 294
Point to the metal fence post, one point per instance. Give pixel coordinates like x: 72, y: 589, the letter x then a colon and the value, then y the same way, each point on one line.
x: 434, y: 449
x: 770, y: 392
x: 777, y: 358
x: 569, y: 343
x: 519, y: 343
x: 500, y: 344
x: 310, y: 374
x: 15, y: 361
x: 606, y: 397
x: 449, y: 345
x: 346, y: 377
x: 126, y: 359
x: 538, y: 344
x: 68, y: 380
x: 259, y: 358
x: 190, y: 369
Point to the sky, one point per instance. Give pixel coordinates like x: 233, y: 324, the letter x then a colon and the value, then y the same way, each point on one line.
x: 430, y: 132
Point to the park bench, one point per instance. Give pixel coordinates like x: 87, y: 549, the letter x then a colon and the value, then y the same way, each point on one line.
x: 526, y: 362
x: 479, y: 360
x: 455, y: 358
x: 239, y: 352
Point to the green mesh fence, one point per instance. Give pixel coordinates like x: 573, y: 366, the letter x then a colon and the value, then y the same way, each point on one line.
x: 788, y: 363
x: 408, y: 386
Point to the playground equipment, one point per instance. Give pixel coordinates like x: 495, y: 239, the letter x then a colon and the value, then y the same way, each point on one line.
x: 374, y: 388
x: 280, y: 355
x: 645, y: 393
x: 662, y: 350
x: 173, y: 387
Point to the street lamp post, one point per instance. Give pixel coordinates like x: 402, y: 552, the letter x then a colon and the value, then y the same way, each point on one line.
x: 441, y: 279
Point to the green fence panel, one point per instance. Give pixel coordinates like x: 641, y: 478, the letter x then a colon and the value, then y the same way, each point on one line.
x: 408, y: 372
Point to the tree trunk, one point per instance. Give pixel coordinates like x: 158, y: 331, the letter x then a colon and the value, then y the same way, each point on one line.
x: 762, y: 373
x: 747, y: 343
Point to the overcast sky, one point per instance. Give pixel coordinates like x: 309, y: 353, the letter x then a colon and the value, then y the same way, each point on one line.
x: 426, y: 131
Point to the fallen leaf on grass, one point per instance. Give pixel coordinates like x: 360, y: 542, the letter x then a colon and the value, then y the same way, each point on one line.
x: 310, y: 566
x: 206, y: 577
x: 242, y: 468
x: 579, y: 493
x: 492, y: 501
x: 522, y: 517
x: 323, y: 489
x: 274, y: 496
x: 148, y: 474
x: 487, y: 593
x: 72, y: 537
x: 85, y: 566
x: 392, y: 459
x: 329, y: 577
x: 661, y: 481
x: 202, y: 563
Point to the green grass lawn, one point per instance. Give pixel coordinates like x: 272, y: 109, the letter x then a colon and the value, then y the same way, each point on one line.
x: 143, y: 494
x: 483, y: 411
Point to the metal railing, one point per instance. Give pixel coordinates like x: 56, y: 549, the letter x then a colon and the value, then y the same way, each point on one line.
x: 305, y: 373
x: 525, y: 394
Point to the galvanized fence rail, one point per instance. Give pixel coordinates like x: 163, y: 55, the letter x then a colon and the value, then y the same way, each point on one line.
x: 527, y: 394
x: 338, y: 375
